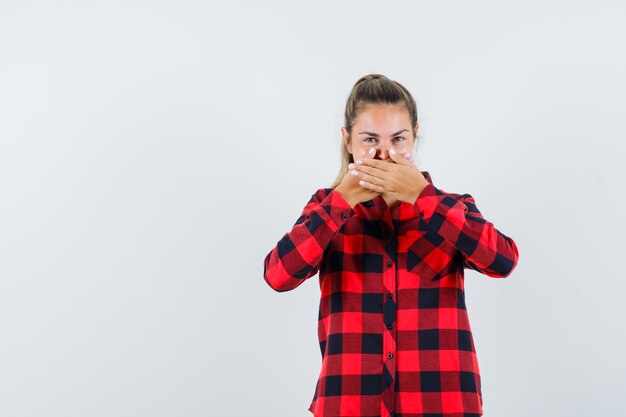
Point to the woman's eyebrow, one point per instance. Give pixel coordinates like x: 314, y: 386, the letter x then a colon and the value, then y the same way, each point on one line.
x: 376, y: 134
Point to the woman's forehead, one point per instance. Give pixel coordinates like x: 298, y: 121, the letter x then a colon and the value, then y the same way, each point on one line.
x: 384, y: 116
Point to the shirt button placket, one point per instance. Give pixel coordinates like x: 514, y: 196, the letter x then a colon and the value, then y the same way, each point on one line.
x: 389, y: 317
x: 389, y: 345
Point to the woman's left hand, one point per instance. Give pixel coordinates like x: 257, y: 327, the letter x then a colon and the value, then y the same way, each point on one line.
x: 402, y: 180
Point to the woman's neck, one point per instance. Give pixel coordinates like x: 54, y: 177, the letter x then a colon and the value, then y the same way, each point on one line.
x: 391, y: 202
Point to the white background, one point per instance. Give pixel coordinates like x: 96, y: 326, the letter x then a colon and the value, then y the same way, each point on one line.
x: 152, y: 153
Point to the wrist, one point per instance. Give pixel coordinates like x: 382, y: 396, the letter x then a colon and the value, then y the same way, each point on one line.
x: 415, y: 195
x: 345, y: 195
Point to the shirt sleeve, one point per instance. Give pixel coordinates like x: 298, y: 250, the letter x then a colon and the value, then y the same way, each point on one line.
x: 457, y: 219
x: 298, y: 254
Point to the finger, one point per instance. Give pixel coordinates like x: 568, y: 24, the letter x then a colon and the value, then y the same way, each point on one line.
x: 373, y: 187
x: 370, y: 179
x: 362, y: 176
x: 396, y: 156
x: 372, y: 171
x: 400, y: 157
x: 374, y: 163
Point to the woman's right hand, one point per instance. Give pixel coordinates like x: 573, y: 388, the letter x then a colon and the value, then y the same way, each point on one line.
x: 353, y: 192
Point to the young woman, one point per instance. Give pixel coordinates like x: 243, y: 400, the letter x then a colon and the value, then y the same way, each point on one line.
x: 390, y: 248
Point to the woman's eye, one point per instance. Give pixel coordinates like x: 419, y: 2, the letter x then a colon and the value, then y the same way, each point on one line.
x: 397, y: 137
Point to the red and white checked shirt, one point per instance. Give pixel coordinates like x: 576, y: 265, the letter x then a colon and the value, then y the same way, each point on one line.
x: 393, y: 327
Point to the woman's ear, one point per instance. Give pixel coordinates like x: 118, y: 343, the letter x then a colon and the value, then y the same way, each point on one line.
x: 346, y: 139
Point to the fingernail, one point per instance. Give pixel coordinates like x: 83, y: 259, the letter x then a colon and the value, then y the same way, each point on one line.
x: 358, y: 161
x: 350, y: 165
x: 354, y: 172
x: 392, y: 151
x: 407, y: 155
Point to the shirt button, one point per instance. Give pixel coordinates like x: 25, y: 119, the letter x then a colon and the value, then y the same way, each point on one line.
x: 421, y: 214
x: 389, y: 326
x: 389, y: 295
x: 390, y: 355
x: 389, y: 264
x: 343, y: 217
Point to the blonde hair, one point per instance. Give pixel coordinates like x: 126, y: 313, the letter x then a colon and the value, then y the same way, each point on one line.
x: 372, y: 89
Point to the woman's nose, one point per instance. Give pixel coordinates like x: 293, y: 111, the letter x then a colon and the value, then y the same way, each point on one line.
x: 383, y: 152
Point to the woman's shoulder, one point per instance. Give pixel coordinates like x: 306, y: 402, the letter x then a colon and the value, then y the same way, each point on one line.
x: 445, y: 193
x: 320, y: 194
x: 323, y: 191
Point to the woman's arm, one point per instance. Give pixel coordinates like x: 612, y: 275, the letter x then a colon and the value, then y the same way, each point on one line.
x: 457, y: 219
x: 298, y: 254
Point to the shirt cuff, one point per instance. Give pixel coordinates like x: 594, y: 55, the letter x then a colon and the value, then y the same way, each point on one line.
x: 433, y: 202
x: 426, y: 202
x: 337, y: 209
